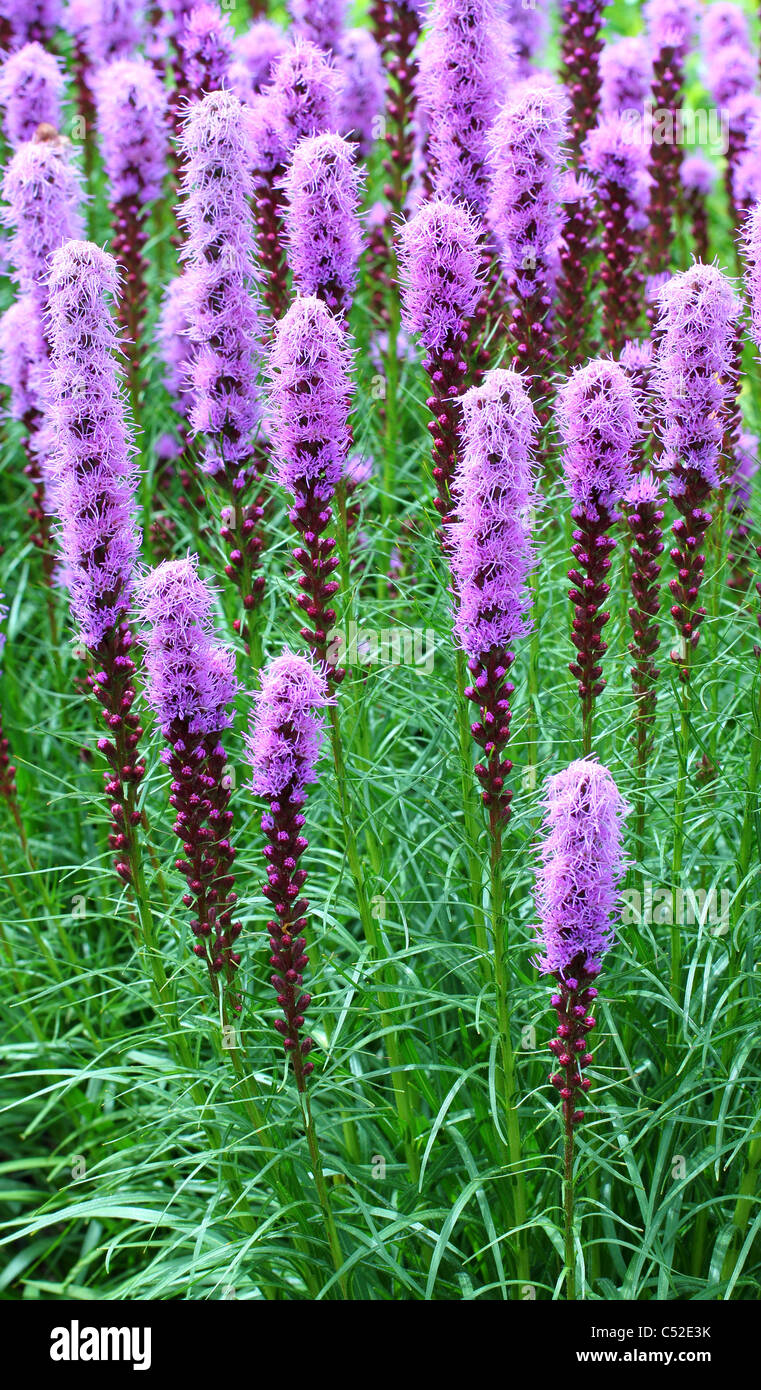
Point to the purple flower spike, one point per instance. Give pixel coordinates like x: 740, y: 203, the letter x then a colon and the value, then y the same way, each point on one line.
x: 321, y: 22
x: 24, y: 370
x: 626, y: 74
x: 526, y: 149
x: 255, y: 53
x: 30, y: 21
x: 723, y: 24
x: 597, y: 418
x: 31, y: 90
x: 752, y: 248
x: 530, y: 25
x: 43, y: 190
x: 670, y: 26
x: 283, y: 747
x: 618, y: 166
x: 206, y: 45
x: 699, y: 177
x: 191, y: 684
x: 732, y: 72
x: 95, y: 486
x: 324, y: 237
x: 580, y: 46
x: 310, y: 392
x: 468, y: 61
x: 695, y: 381
x: 577, y: 900
x: 307, y: 87
x: 492, y: 555
x: 131, y: 113
x: 363, y: 90
x: 440, y: 271
x: 577, y: 249
x: 104, y: 29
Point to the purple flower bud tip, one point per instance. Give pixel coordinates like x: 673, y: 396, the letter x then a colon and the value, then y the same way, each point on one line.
x: 440, y: 261
x: 581, y: 866
x: 597, y: 417
x: 31, y: 90
x: 323, y: 187
x: 285, y: 737
x: 310, y: 392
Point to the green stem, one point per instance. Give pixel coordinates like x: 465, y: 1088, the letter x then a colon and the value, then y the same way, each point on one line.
x: 570, y: 1253
x: 472, y: 820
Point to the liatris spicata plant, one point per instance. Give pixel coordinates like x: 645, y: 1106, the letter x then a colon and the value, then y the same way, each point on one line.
x: 398, y: 30
x: 722, y: 24
x: 577, y: 901
x: 103, y: 30
x: 205, y: 45
x: 574, y: 312
x: 191, y: 685
x: 526, y: 149
x: 440, y: 263
x: 618, y: 166
x: 695, y: 385
x: 23, y: 369
x: 320, y: 22
x: 529, y: 25
x: 580, y: 46
x: 131, y: 106
x: 698, y: 175
x: 42, y: 189
x: 256, y: 51
x: 670, y: 26
x: 301, y: 100
x: 310, y: 391
x: 363, y: 90
x: 462, y: 83
x: 323, y: 233
x: 597, y: 417
x: 283, y: 745
x: 492, y: 555
x: 223, y: 310
x: 33, y: 21
x: 95, y: 482
x: 626, y: 74
x: 644, y: 516
x: 31, y: 89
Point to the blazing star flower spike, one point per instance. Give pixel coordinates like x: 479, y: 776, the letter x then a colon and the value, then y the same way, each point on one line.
x: 577, y: 900
x: 626, y: 74
x: 32, y: 20
x: 258, y: 49
x: 752, y: 248
x: 495, y: 490
x: 131, y: 108
x: 597, y: 418
x: 671, y: 24
x: 206, y: 42
x: 582, y: 865
x: 191, y: 685
x: 323, y: 186
x: 283, y: 747
x: 31, y: 90
x: 721, y: 25
x: 319, y: 21
x: 440, y: 269
x: 467, y: 63
x: 306, y: 88
x: 94, y: 469
x: 364, y: 87
x: 105, y: 29
x: 42, y: 190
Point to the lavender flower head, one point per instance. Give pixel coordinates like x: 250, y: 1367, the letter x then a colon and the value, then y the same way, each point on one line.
x: 597, y: 418
x: 440, y: 259
x: 42, y: 190
x: 613, y: 158
x: 752, y: 249
x: 206, y: 41
x: 582, y: 864
x: 698, y: 313
x: 698, y: 173
x: 255, y: 53
x: 731, y: 73
x: 32, y: 20
x: 223, y: 309
x: 285, y: 738
x: 322, y: 186
x: 131, y: 106
x: 20, y: 357
x: 525, y: 154
x: 671, y: 24
x: 467, y: 60
x: 105, y: 29
x: 723, y: 24
x: 530, y: 26
x: 310, y: 393
x: 495, y: 489
x: 305, y: 87
x: 364, y: 87
x: 31, y: 89
x: 95, y: 476
x: 626, y: 71
x: 191, y: 674
x: 319, y: 21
